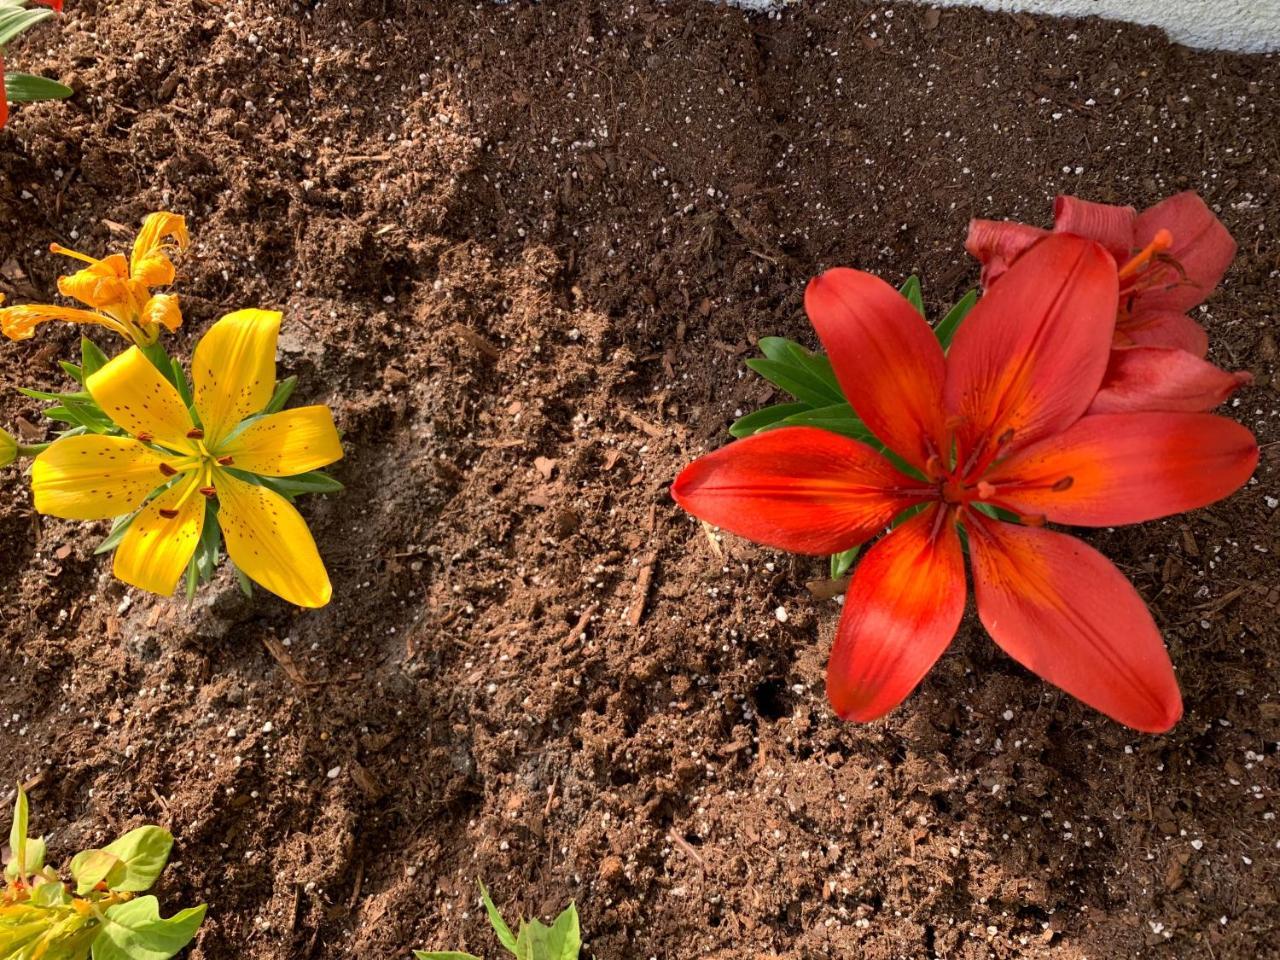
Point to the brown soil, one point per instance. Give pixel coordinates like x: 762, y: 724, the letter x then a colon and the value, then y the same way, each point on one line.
x: 509, y: 232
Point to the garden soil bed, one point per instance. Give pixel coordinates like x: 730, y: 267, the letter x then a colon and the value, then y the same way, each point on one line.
x: 523, y: 251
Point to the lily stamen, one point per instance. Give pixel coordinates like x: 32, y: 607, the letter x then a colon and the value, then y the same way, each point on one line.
x: 1162, y: 241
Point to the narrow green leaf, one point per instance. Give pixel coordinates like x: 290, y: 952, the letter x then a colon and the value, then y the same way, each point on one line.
x: 764, y: 418
x: 119, y: 526
x: 179, y: 380
x: 797, y: 381
x: 311, y: 482
x: 47, y: 395
x: 92, y: 359
x: 841, y: 562
x: 837, y: 418
x: 63, y: 415
x: 28, y: 88
x: 246, y: 585
x: 191, y: 580
x: 144, y: 852
x: 136, y: 931
x: 72, y: 371
x: 913, y: 292
x: 18, y: 837
x: 284, y: 390
x: 505, y: 936
x: 946, y: 328
x: 14, y: 21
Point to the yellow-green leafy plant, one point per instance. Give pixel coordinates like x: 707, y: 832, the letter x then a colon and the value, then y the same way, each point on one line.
x: 534, y: 941
x: 98, y: 912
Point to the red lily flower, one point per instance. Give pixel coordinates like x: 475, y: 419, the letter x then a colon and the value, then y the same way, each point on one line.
x: 1170, y: 258
x: 999, y: 421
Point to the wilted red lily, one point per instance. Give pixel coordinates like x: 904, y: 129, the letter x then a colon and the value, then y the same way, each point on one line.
x: 998, y: 422
x: 1170, y: 257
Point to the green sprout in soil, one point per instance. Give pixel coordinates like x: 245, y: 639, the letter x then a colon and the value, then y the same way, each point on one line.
x: 535, y: 941
x: 99, y: 913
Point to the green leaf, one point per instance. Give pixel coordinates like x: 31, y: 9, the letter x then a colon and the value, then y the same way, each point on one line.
x: 837, y: 418
x: 119, y: 527
x: 841, y: 562
x: 763, y: 419
x: 136, y: 931
x: 505, y: 937
x: 443, y: 955
x: 284, y: 390
x: 913, y: 292
x: 63, y: 415
x: 50, y: 894
x: 144, y: 852
x: 806, y: 376
x: 47, y: 395
x: 92, y: 867
x: 28, y: 88
x: 92, y: 359
x: 16, y: 20
x: 18, y: 837
x: 946, y: 328
x: 561, y: 941
x: 313, y: 482
x: 798, y: 381
x: 246, y: 585
x: 179, y: 380
x: 72, y: 371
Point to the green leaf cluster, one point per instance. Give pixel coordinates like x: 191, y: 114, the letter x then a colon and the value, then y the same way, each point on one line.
x: 99, y: 913
x: 534, y: 941
x: 16, y: 18
x: 818, y: 400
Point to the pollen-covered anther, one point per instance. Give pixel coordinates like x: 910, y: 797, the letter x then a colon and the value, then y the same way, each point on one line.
x: 145, y: 437
x: 226, y: 461
x: 209, y: 491
x: 195, y: 433
x: 1032, y: 519
x: 167, y: 513
x: 1064, y: 484
x: 167, y: 470
x: 933, y: 467
x: 985, y: 490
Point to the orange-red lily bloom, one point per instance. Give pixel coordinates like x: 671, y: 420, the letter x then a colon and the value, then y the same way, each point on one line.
x: 999, y: 421
x: 1170, y: 258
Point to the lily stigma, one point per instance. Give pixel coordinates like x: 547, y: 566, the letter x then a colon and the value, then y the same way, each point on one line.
x: 116, y: 288
x: 991, y: 441
x: 180, y: 474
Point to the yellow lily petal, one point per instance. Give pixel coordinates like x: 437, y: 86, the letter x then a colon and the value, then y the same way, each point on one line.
x: 149, y: 261
x: 104, y: 283
x: 233, y: 370
x: 286, y: 443
x: 270, y: 543
x: 19, y: 323
x: 156, y: 548
x: 162, y: 310
x: 132, y: 392
x: 94, y: 477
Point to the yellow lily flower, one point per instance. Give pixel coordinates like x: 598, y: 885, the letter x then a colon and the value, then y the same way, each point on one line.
x: 168, y: 466
x: 117, y: 290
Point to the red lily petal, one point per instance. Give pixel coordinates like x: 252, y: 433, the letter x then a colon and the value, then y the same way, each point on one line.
x: 902, y: 609
x: 1163, y: 328
x: 797, y: 488
x: 1109, y: 225
x: 997, y: 243
x: 4, y: 96
x: 55, y: 4
x: 1158, y: 378
x: 1202, y: 246
x: 1031, y: 354
x: 1127, y: 468
x: 886, y: 358
x: 1061, y: 609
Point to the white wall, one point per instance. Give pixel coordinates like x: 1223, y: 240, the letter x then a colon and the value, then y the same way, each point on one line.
x: 1244, y: 25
